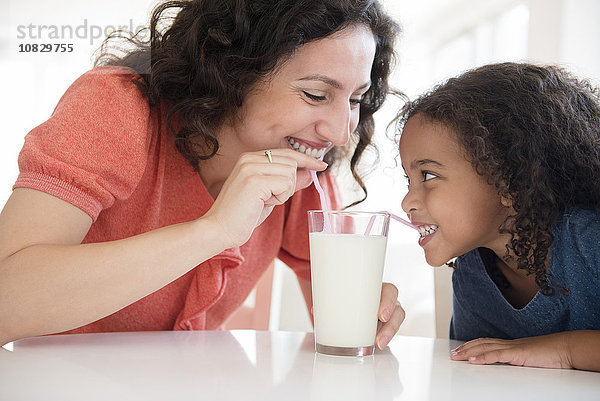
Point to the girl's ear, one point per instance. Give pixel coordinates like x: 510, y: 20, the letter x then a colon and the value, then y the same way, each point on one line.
x: 505, y: 195
x: 506, y: 202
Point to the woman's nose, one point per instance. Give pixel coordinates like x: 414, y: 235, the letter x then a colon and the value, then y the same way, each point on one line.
x: 337, y: 124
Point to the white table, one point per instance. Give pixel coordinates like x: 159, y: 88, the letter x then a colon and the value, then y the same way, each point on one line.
x: 261, y: 365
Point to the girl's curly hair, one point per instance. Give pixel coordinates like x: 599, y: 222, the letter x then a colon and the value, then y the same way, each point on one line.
x: 212, y: 53
x: 534, y: 133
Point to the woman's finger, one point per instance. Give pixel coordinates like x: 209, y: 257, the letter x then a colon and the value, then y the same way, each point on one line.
x: 387, y: 303
x: 272, y: 189
x: 389, y: 329
x: 391, y: 315
x: 289, y: 156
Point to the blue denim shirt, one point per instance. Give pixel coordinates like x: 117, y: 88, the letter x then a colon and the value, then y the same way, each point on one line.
x: 480, y: 309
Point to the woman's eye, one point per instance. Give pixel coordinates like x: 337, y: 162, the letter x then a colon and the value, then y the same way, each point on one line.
x: 315, y: 98
x: 355, y: 102
x: 407, y: 179
x: 428, y: 176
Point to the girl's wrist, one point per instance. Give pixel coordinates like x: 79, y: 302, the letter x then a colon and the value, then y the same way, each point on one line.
x: 568, y: 353
x: 583, y: 349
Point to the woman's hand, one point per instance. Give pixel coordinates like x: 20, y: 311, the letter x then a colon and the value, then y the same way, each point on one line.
x: 254, y: 187
x: 391, y: 315
x: 549, y: 351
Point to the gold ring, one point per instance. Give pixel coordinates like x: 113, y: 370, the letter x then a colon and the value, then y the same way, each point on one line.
x: 268, y: 154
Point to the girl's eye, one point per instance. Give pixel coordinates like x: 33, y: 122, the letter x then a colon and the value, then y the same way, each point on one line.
x: 314, y: 98
x: 355, y: 102
x: 407, y: 179
x: 428, y: 176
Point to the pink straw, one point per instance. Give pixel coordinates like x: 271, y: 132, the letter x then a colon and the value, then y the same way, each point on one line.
x: 324, y: 205
x: 403, y: 221
x: 393, y: 216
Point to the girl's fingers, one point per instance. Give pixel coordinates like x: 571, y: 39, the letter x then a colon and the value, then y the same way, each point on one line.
x: 478, y: 343
x: 475, y: 343
x: 548, y: 351
x: 493, y: 356
x: 488, y: 354
x: 475, y: 348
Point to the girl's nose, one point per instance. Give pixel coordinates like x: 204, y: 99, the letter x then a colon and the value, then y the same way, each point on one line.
x: 409, y: 203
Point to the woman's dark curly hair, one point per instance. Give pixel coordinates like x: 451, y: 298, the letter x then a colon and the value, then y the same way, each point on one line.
x: 213, y: 52
x: 534, y: 133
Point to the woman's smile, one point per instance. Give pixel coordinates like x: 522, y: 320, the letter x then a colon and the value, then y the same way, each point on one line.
x: 309, y: 148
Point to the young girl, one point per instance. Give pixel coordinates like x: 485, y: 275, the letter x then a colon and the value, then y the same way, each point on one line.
x: 503, y: 165
x: 160, y: 189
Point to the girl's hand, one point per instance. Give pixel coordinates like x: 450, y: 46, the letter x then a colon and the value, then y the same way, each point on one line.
x: 254, y: 187
x: 549, y: 351
x: 391, y: 315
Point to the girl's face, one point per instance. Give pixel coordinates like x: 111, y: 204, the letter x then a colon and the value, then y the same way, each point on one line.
x: 454, y: 207
x: 312, y: 102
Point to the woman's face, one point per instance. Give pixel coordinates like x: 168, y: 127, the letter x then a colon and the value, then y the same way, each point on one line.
x: 454, y: 207
x: 312, y: 102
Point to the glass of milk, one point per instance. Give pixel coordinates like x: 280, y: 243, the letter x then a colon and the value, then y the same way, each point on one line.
x: 347, y: 254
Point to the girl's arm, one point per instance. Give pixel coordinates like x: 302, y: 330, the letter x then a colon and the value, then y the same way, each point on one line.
x: 570, y: 349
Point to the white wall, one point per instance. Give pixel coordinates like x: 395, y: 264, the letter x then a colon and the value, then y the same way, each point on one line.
x: 32, y: 83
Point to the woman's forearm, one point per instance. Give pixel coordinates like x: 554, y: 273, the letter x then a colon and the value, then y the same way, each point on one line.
x: 52, y: 288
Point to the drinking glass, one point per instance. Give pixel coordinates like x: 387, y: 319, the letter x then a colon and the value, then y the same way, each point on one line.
x: 347, y: 255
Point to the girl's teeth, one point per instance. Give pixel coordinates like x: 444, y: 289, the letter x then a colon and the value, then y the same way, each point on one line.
x: 428, y: 229
x: 316, y: 153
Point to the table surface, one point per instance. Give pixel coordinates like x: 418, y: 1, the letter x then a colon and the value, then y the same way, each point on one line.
x: 262, y: 365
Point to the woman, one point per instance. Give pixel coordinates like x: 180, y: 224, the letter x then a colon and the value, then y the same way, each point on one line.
x: 161, y: 187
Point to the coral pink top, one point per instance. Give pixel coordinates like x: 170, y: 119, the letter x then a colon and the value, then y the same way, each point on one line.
x: 105, y: 151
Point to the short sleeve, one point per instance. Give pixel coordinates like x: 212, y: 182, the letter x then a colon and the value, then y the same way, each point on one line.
x: 294, y: 250
x: 93, y: 148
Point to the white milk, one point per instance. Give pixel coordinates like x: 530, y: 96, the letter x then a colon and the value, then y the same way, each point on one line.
x: 346, y: 274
